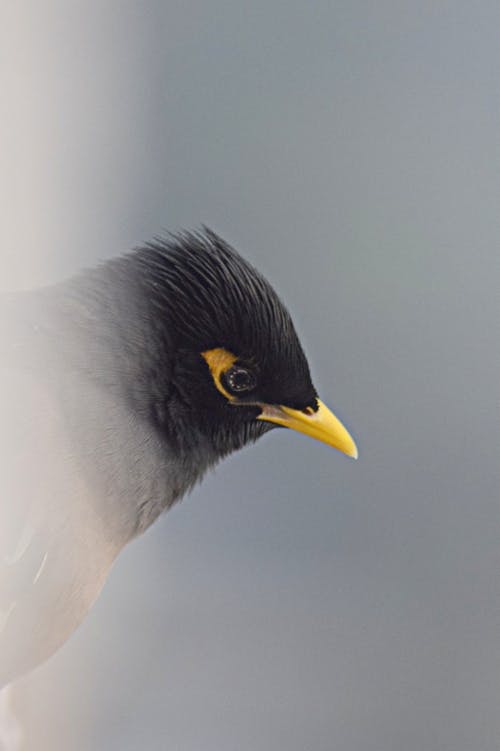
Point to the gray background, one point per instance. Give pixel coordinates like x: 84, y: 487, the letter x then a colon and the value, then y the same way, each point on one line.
x: 297, y: 600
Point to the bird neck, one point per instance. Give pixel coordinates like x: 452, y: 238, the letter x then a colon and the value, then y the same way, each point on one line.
x: 109, y: 362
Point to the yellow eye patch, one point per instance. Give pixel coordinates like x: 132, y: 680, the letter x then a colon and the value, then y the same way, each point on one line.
x: 219, y: 360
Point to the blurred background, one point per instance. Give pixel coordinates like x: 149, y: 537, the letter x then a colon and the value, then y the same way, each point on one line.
x: 296, y: 600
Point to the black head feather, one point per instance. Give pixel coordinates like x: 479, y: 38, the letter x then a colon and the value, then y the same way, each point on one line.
x: 214, y: 298
x: 155, y: 310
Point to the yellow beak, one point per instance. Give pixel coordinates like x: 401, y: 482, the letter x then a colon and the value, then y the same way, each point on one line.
x: 322, y: 425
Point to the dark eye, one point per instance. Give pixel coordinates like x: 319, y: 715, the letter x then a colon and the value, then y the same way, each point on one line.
x: 239, y: 379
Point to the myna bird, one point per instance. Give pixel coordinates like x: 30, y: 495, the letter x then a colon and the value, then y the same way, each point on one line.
x: 120, y: 388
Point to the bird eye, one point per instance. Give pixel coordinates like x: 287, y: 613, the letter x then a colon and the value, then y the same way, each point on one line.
x: 239, y: 379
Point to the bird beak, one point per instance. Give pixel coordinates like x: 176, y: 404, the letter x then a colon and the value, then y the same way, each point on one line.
x: 322, y: 425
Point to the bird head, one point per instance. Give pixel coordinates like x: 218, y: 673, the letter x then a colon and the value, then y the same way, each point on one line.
x: 235, y: 366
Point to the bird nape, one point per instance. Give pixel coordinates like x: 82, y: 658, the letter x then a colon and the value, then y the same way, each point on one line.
x: 120, y: 387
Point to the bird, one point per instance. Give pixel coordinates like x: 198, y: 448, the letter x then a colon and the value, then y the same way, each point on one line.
x: 121, y: 386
